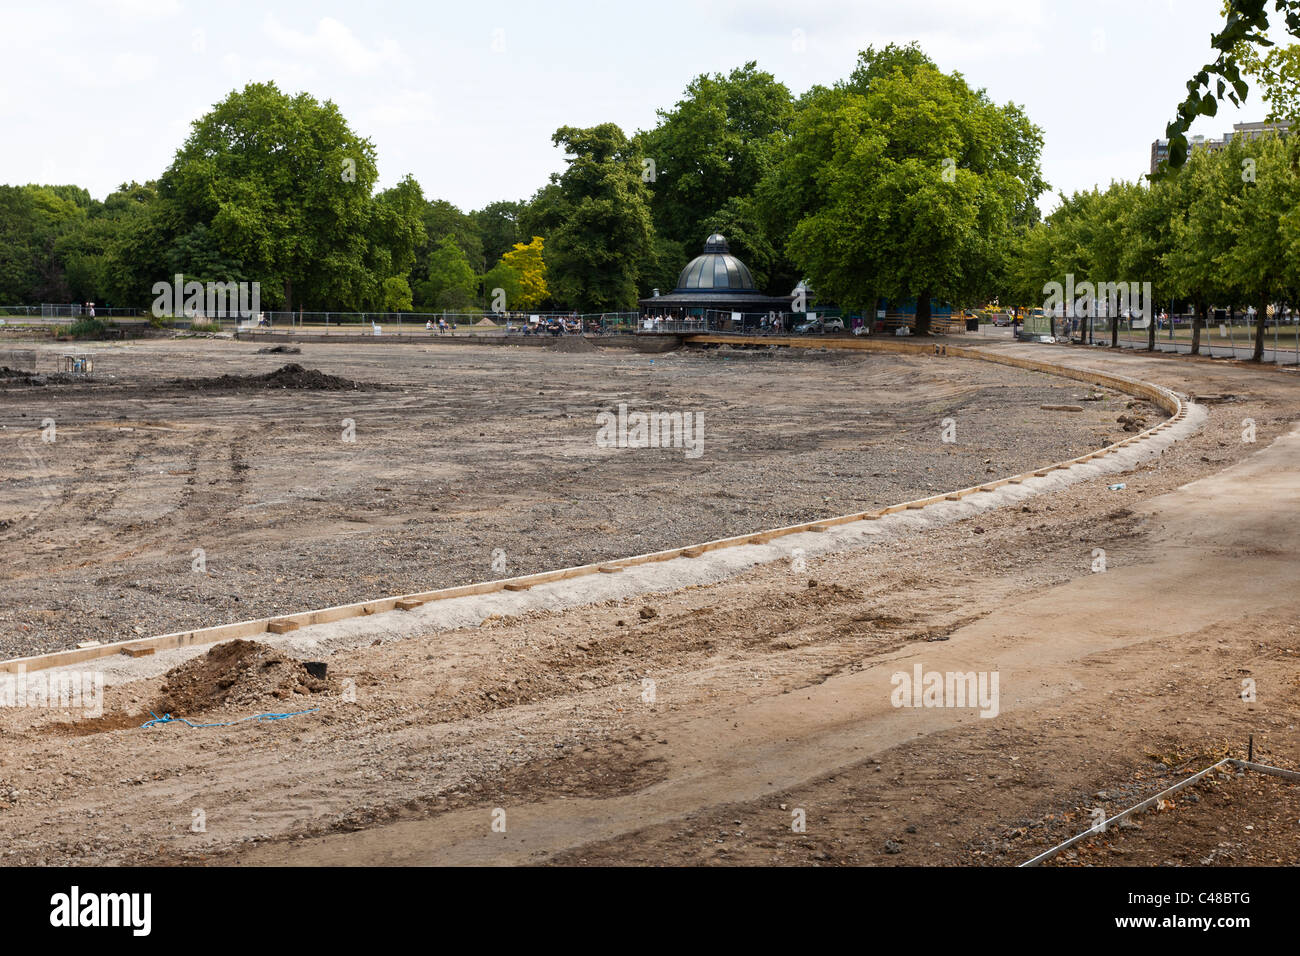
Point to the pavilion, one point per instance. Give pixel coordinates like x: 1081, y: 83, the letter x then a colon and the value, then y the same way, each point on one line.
x: 716, y: 282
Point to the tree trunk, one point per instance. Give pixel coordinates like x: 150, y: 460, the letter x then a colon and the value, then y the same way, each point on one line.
x: 1198, y: 323
x: 1260, y: 319
x: 923, y: 314
x: 288, y: 295
x: 1151, y: 328
x: 1114, y: 327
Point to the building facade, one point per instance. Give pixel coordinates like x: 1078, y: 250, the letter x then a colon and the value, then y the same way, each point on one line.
x: 1246, y: 131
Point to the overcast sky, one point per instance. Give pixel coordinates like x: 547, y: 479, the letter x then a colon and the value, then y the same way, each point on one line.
x: 465, y: 95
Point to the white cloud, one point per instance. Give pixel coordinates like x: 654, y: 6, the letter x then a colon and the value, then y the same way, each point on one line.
x: 335, y: 45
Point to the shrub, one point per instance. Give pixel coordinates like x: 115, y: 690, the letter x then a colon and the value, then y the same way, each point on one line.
x: 87, y: 328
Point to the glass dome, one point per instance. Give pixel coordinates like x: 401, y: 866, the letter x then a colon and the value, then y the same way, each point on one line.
x: 717, y: 270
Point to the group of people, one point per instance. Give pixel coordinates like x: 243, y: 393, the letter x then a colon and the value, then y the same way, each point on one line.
x: 554, y: 324
x: 441, y: 327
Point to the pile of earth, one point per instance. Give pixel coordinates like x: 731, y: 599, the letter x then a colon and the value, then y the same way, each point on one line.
x: 241, y: 674
x: 15, y: 376
x: 233, y: 674
x: 280, y: 350
x: 572, y: 343
x: 287, y: 376
x: 486, y: 321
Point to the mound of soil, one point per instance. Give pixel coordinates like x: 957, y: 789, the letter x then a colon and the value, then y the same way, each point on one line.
x: 487, y: 322
x: 235, y: 674
x: 15, y: 376
x: 287, y: 376
x: 571, y: 343
x: 232, y: 674
x: 280, y: 350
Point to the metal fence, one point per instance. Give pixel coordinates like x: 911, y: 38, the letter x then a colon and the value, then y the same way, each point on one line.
x: 459, y: 322
x: 1224, y: 336
x: 61, y: 313
x: 814, y: 322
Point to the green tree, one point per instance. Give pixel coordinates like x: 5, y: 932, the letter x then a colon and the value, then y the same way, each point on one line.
x: 1259, y: 212
x: 396, y: 233
x: 498, y: 225
x: 915, y: 188
x: 1199, y: 194
x: 597, y: 223
x: 715, y: 145
x: 451, y: 281
x: 442, y: 219
x: 397, y: 294
x: 284, y: 187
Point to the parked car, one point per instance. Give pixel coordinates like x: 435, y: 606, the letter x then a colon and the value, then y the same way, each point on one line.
x: 820, y: 326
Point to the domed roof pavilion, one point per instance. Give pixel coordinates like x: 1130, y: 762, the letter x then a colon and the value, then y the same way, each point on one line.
x: 715, y: 280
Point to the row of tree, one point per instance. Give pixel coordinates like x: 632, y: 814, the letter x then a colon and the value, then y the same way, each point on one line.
x: 1224, y: 231
x: 898, y: 182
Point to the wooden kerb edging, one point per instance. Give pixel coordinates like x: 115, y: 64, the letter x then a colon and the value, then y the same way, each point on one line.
x: 1163, y: 397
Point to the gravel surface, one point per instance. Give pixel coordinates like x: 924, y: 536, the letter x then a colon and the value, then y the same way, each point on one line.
x: 163, y: 506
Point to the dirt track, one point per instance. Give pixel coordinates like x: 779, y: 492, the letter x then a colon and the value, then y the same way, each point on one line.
x: 771, y: 694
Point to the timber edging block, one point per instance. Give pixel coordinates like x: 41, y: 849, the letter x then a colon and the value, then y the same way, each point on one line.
x: 282, y: 627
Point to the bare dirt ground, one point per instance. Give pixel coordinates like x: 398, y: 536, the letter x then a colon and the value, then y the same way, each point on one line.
x: 771, y: 691
x: 463, y: 455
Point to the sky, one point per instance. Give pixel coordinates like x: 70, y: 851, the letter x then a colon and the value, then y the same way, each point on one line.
x: 465, y: 96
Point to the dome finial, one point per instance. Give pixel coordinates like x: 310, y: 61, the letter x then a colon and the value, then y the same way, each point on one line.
x: 716, y: 243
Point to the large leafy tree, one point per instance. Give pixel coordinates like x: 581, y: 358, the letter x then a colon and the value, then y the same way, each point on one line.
x: 282, y: 186
x: 395, y: 237
x: 33, y: 221
x: 913, y: 188
x: 714, y: 146
x: 1259, y: 207
x: 596, y: 221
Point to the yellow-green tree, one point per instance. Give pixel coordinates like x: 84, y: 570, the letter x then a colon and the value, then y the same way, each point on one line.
x: 528, y: 265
